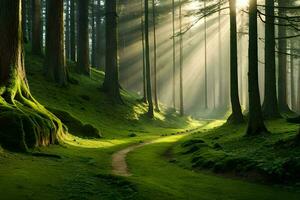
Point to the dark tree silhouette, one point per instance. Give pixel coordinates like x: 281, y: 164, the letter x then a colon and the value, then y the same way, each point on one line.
x: 255, y: 124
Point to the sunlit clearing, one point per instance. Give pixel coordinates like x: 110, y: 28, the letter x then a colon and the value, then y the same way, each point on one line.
x: 241, y: 4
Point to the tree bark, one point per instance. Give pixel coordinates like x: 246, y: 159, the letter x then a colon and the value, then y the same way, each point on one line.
x: 36, y: 27
x: 24, y: 123
x: 174, y: 57
x: 143, y: 57
x: 270, y: 105
x: 83, y: 61
x: 255, y: 124
x: 55, y: 66
x: 155, y: 57
x: 181, y: 110
x: 282, y: 61
x: 73, y: 30
x: 236, y: 116
x: 111, y: 81
x: 67, y: 32
x: 148, y: 68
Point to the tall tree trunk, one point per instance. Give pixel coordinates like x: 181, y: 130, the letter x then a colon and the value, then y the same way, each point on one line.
x: 67, y: 32
x: 181, y: 108
x: 83, y: 61
x: 36, y: 27
x: 24, y: 19
x: 148, y: 68
x: 55, y: 53
x: 24, y: 123
x: 270, y: 105
x: 221, y: 92
x: 255, y: 124
x: 29, y: 19
x: 205, y: 61
x: 154, y: 58
x: 236, y: 116
x: 99, y: 36
x: 293, y: 94
x: 111, y: 81
x: 174, y: 57
x: 73, y: 30
x: 282, y: 61
x: 143, y: 57
x: 93, y: 34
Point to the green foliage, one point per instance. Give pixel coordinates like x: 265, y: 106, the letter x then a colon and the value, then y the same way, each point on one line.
x: 272, y: 157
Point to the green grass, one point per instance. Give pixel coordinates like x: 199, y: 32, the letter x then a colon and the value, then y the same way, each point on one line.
x: 271, y: 157
x: 167, y: 180
x: 81, y: 172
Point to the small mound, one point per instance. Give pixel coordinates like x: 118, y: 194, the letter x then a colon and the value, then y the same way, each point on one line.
x: 75, y: 126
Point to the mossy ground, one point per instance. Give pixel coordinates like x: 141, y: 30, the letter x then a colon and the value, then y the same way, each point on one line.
x: 273, y: 157
x: 80, y: 173
x: 82, y: 170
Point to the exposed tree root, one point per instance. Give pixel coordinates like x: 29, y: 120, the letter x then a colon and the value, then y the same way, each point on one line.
x: 24, y: 123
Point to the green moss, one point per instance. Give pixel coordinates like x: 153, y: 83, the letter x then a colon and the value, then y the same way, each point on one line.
x: 273, y: 157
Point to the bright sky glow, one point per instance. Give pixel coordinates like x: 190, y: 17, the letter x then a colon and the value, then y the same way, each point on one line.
x: 240, y: 4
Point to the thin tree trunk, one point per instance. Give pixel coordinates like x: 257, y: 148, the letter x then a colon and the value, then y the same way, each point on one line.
x: 236, y: 116
x: 111, y: 81
x: 181, y: 61
x: 73, y: 30
x: 148, y: 68
x: 293, y: 98
x: 221, y: 93
x: 55, y: 53
x: 67, y: 32
x: 255, y: 123
x: 143, y: 57
x: 93, y: 22
x: 36, y: 27
x: 205, y: 61
x: 99, y: 36
x: 174, y: 56
x: 83, y: 61
x: 154, y: 57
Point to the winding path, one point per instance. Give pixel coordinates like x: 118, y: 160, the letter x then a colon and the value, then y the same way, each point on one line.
x: 119, y: 164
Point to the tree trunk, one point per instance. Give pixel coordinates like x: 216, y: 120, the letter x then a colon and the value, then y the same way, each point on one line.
x: 24, y: 123
x: 111, y: 81
x: 154, y: 57
x: 236, y: 116
x: 55, y: 53
x: 36, y: 27
x: 255, y: 124
x: 73, y: 30
x: 282, y: 61
x: 293, y: 94
x: 270, y: 105
x: 181, y: 110
x: 148, y: 69
x: 205, y: 61
x: 83, y: 61
x: 143, y: 51
x: 99, y: 37
x: 24, y: 19
x: 93, y: 34
x: 174, y: 56
x: 67, y: 32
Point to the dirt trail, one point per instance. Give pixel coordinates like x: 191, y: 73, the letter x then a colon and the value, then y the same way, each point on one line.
x: 119, y: 164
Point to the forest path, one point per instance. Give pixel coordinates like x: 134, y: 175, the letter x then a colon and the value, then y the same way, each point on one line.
x: 119, y: 164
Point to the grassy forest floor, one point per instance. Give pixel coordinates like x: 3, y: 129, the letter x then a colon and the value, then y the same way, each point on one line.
x: 161, y: 170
